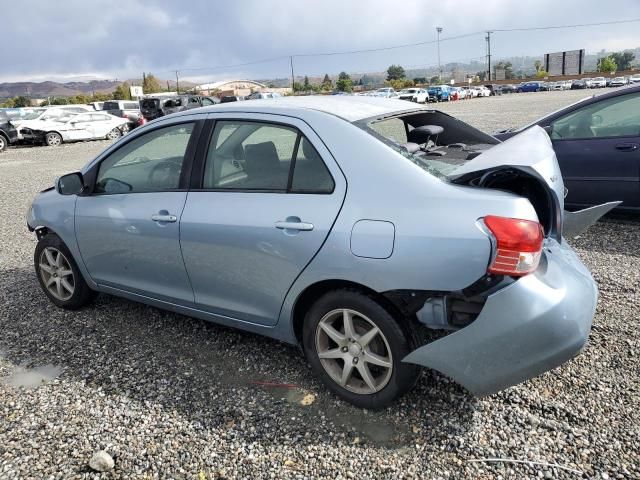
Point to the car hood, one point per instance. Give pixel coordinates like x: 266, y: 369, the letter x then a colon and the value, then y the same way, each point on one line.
x: 531, y: 149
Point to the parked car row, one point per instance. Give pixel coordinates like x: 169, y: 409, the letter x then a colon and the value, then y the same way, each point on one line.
x: 55, y: 125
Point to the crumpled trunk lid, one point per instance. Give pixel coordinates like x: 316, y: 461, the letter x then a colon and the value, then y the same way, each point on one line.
x: 531, y: 149
x: 526, y: 165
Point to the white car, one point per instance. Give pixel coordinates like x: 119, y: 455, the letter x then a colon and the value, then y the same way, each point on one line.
x: 386, y: 92
x: 635, y: 78
x: 618, y: 82
x: 47, y: 114
x: 74, y: 127
x: 483, y: 91
x: 598, y: 82
x: 419, y: 95
x: 471, y: 92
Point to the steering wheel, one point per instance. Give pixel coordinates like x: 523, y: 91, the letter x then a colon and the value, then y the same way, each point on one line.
x: 165, y: 174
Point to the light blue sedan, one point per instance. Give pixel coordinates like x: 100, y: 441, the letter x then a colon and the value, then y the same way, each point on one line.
x: 348, y: 225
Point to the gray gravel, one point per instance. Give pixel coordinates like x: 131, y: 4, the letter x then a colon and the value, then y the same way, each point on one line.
x: 169, y: 396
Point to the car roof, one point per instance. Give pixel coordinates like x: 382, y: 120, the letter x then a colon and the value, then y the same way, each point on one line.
x: 350, y: 108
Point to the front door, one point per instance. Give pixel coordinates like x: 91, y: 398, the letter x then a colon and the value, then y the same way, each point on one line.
x: 128, y: 229
x: 267, y: 200
x: 598, y: 150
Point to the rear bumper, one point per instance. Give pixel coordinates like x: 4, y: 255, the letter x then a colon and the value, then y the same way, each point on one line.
x: 531, y: 326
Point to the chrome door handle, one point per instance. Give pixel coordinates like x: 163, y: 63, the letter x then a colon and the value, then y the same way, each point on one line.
x: 294, y: 226
x: 627, y: 147
x: 157, y: 217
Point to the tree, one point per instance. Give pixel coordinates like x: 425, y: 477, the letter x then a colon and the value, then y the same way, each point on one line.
x: 434, y: 80
x: 21, y: 102
x: 122, y: 92
x: 306, y: 85
x: 622, y: 60
x: 298, y: 87
x: 607, y: 64
x: 541, y: 73
x: 344, y: 82
x: 395, y: 72
x: 150, y: 84
x: 327, y: 84
x: 481, y: 75
x: 537, y: 65
x: 420, y: 80
x: 59, y: 101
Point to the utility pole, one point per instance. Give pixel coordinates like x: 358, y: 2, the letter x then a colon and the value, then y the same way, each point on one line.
x: 293, y: 81
x: 488, y: 38
x: 439, y: 30
x: 177, y: 83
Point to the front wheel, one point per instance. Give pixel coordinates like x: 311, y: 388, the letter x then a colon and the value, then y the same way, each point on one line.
x: 3, y: 143
x: 58, y: 274
x: 356, y: 347
x: 53, y: 139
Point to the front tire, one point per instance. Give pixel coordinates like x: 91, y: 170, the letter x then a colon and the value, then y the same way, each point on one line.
x: 3, y: 143
x: 356, y: 347
x: 53, y: 139
x: 59, y: 276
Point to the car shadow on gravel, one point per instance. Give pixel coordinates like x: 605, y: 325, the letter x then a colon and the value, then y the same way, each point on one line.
x: 220, y: 377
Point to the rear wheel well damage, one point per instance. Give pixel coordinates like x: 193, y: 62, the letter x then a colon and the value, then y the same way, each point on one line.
x: 313, y: 292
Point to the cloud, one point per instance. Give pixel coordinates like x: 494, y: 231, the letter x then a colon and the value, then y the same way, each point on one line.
x: 49, y: 39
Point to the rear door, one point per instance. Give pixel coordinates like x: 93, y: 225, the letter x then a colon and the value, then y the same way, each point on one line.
x: 80, y: 127
x: 598, y: 149
x: 261, y: 205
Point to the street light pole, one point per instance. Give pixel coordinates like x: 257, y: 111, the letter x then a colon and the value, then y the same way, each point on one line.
x: 439, y: 30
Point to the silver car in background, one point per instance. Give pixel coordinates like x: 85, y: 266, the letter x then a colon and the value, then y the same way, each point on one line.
x: 351, y: 226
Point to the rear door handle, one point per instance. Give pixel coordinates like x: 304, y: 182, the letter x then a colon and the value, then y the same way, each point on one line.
x: 627, y: 147
x: 158, y: 217
x: 303, y: 226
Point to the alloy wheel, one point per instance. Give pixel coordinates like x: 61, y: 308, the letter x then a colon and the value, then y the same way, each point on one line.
x: 113, y: 134
x: 53, y: 139
x: 56, y: 273
x: 353, y: 351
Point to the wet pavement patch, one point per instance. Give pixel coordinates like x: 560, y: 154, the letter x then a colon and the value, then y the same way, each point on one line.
x: 27, y: 377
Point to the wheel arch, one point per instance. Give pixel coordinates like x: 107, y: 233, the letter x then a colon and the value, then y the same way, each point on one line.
x: 311, y: 293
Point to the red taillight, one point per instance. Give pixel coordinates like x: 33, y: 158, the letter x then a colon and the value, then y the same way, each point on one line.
x: 518, y: 245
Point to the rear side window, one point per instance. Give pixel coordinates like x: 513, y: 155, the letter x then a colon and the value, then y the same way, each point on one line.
x: 310, y: 174
x: 249, y: 156
x: 111, y: 106
x: 262, y: 156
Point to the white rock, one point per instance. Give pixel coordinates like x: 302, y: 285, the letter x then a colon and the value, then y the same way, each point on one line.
x: 101, y: 461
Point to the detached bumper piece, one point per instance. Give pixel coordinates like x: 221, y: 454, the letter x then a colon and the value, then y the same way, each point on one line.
x: 529, y: 327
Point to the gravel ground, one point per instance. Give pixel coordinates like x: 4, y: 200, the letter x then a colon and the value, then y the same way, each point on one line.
x: 170, y: 396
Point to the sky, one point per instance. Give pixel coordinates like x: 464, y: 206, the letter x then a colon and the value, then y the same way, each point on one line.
x: 80, y: 40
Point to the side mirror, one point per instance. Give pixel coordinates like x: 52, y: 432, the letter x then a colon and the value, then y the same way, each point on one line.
x: 70, y: 184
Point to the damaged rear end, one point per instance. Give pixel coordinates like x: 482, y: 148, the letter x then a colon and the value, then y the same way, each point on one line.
x: 533, y: 309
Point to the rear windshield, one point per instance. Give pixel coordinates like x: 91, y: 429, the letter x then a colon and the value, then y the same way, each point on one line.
x: 150, y: 103
x: 434, y: 141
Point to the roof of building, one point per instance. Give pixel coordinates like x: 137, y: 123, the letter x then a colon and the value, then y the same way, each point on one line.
x: 214, y: 85
x: 351, y: 108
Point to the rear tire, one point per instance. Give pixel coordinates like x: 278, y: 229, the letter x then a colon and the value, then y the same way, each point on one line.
x: 3, y: 143
x: 53, y: 139
x: 59, y: 276
x: 355, y: 346
x: 114, y: 134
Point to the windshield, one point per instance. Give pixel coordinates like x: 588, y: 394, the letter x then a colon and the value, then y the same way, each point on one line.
x: 408, y: 90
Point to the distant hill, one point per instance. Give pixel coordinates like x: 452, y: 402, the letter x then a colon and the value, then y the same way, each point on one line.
x: 56, y: 89
x: 70, y: 89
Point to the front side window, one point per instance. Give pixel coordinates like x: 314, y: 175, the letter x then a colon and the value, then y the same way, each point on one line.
x: 149, y: 163
x: 613, y: 117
